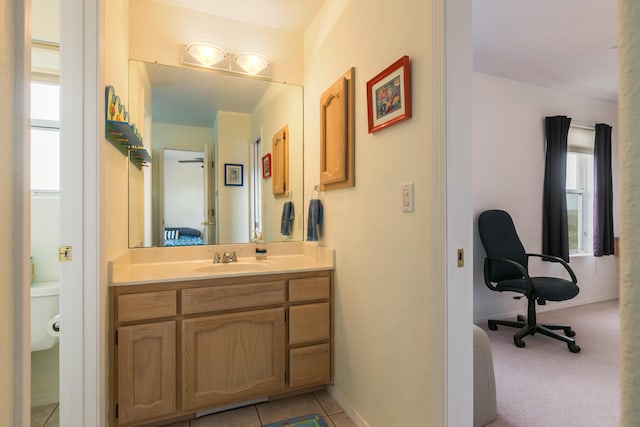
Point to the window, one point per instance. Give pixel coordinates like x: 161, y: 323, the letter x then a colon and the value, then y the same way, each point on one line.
x: 580, y: 190
x: 45, y: 137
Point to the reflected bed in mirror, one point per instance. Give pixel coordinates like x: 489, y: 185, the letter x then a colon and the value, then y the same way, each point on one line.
x: 193, y: 122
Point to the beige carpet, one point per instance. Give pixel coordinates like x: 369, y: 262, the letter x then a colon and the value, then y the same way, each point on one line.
x: 544, y: 384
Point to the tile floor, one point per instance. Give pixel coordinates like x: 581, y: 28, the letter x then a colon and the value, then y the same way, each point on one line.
x: 319, y: 402
x: 45, y: 416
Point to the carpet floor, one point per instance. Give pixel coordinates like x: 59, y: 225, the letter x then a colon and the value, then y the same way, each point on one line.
x: 545, y: 385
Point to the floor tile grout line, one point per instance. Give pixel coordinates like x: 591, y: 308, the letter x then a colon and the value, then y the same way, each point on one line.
x: 50, y: 415
x: 259, y: 417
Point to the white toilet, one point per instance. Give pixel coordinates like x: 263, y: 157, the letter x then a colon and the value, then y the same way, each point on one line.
x: 44, y: 315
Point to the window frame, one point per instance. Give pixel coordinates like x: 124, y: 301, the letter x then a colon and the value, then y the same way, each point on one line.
x: 584, y: 189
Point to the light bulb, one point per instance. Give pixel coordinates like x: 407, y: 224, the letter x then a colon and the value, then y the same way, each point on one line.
x: 206, y: 54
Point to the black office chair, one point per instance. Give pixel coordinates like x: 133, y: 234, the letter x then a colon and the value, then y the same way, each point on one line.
x: 506, y: 269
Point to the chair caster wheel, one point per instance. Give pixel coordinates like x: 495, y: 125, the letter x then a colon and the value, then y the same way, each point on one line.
x: 519, y: 343
x: 574, y: 348
x: 492, y: 325
x: 569, y: 332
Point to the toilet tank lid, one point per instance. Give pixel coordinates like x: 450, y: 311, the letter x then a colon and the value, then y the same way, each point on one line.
x: 42, y: 289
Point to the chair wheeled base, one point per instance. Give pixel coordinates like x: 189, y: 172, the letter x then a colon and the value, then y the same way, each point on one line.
x: 528, y: 326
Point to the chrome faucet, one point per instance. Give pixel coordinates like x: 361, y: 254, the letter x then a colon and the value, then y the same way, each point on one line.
x: 226, y: 257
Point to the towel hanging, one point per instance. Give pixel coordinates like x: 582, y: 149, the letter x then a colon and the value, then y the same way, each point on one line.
x: 314, y: 220
x: 288, y: 214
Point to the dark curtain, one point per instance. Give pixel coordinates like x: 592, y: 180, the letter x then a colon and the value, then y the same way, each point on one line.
x: 555, y: 229
x: 603, y: 192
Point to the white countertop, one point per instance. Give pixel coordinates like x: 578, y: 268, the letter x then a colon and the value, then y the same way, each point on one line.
x: 169, y: 265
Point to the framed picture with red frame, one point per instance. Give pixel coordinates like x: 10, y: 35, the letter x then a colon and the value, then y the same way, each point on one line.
x: 266, y: 166
x: 389, y: 95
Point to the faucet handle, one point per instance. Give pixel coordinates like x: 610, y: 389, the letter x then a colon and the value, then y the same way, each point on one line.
x: 233, y: 257
x: 216, y: 258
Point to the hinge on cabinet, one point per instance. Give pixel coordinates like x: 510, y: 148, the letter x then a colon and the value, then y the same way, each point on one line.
x: 116, y: 410
x: 116, y: 337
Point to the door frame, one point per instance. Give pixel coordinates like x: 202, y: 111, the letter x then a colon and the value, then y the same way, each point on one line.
x: 82, y: 356
x: 83, y: 293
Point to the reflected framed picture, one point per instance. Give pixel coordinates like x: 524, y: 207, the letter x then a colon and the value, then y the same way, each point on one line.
x: 389, y: 95
x: 266, y: 166
x: 233, y: 174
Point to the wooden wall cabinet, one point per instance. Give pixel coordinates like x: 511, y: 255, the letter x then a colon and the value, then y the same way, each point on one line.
x: 183, y: 347
x: 337, y: 134
x: 280, y: 159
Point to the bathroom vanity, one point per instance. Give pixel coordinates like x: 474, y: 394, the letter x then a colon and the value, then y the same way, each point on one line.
x: 210, y: 336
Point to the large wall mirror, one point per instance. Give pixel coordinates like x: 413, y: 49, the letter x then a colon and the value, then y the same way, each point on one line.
x: 211, y: 137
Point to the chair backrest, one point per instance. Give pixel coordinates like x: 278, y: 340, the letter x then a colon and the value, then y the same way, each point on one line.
x: 500, y: 240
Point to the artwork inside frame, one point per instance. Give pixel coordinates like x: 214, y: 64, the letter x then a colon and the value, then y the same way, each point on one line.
x: 233, y: 174
x: 389, y: 95
x: 266, y: 166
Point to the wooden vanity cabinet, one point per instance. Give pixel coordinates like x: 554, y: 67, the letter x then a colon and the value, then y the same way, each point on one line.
x: 183, y: 347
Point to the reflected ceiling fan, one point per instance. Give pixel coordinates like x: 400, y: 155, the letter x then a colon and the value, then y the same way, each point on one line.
x: 194, y: 160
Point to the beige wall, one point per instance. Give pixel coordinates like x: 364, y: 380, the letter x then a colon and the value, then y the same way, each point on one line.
x: 159, y: 30
x: 277, y: 109
x: 6, y: 212
x: 382, y: 291
x: 233, y: 134
x: 114, y: 173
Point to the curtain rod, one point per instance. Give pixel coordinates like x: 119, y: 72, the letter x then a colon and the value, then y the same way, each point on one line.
x: 583, y: 125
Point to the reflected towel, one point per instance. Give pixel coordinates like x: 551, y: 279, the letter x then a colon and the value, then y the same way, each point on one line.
x: 314, y: 220
x: 288, y: 213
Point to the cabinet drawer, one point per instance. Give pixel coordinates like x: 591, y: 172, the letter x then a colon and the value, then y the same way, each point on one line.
x: 215, y: 298
x: 313, y: 288
x: 310, y: 365
x: 146, y: 305
x: 309, y: 323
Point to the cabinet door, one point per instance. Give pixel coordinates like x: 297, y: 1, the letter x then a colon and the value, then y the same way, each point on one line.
x: 232, y: 357
x: 310, y: 365
x: 146, y: 371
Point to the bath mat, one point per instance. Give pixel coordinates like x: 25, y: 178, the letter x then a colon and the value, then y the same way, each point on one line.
x: 311, y: 420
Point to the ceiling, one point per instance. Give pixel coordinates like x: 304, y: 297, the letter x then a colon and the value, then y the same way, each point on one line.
x: 568, y: 45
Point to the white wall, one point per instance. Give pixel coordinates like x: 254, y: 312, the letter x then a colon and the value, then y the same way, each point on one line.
x: 233, y: 146
x: 383, y: 305
x: 281, y: 106
x: 183, y: 193
x: 508, y: 174
x: 45, y: 236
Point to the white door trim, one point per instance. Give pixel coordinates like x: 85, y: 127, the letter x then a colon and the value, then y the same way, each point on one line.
x: 81, y: 349
x: 21, y: 203
x: 459, y: 212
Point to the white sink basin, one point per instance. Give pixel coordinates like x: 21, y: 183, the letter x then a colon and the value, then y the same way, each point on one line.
x: 231, y: 267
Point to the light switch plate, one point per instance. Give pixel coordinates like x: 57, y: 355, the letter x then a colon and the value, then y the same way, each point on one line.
x: 407, y: 197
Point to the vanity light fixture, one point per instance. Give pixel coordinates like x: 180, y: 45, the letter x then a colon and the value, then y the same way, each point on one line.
x: 209, y: 56
x: 205, y: 53
x: 252, y: 63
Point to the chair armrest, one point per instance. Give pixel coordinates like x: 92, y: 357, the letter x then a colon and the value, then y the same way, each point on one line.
x: 552, y: 258
x: 525, y: 274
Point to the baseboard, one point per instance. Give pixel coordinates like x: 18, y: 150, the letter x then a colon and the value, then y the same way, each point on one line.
x: 549, y: 307
x: 348, y: 408
x: 45, y: 398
